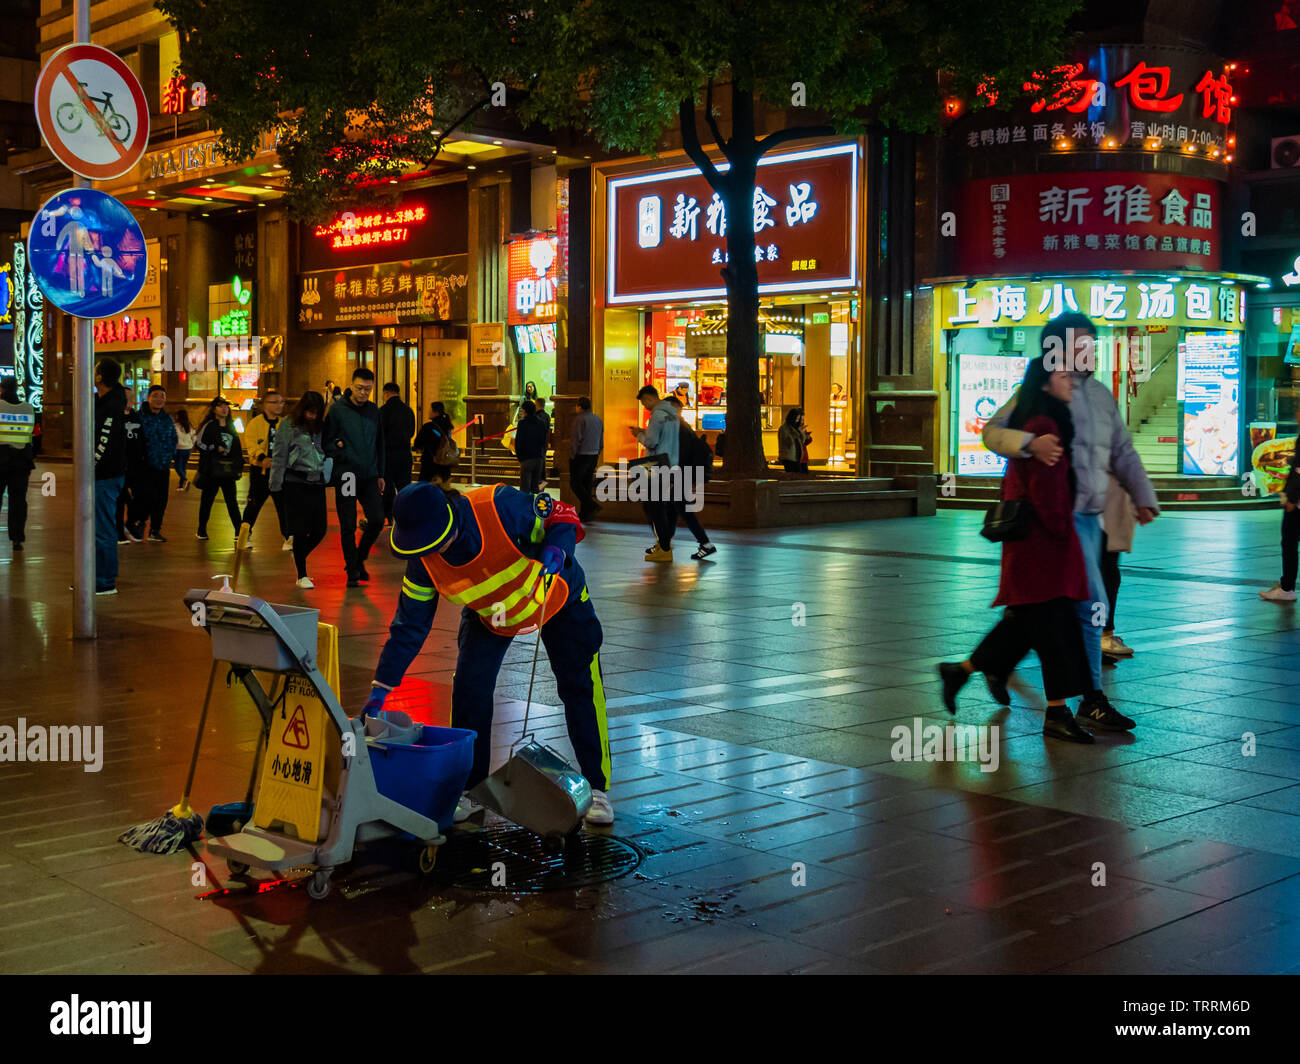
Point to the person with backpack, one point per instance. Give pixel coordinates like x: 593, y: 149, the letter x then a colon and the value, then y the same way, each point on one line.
x: 17, y: 457
x: 300, y: 473
x: 696, y: 458
x: 437, y: 446
x: 154, y: 454
x: 221, y: 461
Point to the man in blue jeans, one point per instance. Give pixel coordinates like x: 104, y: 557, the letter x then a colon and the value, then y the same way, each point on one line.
x: 1102, y: 447
x: 110, y: 470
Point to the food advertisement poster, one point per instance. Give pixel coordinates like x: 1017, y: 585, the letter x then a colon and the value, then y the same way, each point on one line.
x: 1211, y: 375
x: 984, y: 383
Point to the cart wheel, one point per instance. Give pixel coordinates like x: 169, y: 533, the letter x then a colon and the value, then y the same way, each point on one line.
x: 427, y: 859
x: 318, y: 886
x: 237, y: 868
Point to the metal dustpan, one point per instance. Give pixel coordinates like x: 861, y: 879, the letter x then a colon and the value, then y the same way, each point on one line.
x: 536, y: 788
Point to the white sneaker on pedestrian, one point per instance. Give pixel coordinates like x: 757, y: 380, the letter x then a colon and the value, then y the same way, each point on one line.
x: 1276, y: 594
x: 305, y: 583
x: 465, y: 809
x: 288, y: 544
x: 601, y: 813
x: 1115, y: 646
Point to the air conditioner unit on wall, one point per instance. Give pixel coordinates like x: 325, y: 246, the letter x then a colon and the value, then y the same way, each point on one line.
x: 1285, y: 153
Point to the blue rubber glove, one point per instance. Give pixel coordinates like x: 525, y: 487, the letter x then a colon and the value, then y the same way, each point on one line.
x: 552, y: 560
x: 375, y: 703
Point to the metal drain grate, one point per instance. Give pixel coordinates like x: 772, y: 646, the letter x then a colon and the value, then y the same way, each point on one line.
x: 510, y: 860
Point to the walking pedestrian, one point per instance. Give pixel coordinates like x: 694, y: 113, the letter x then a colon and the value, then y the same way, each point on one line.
x: 398, y: 421
x: 436, y: 445
x: 221, y: 460
x: 299, y: 474
x: 530, y: 448
x: 1101, y: 445
x: 1119, y: 521
x: 261, y: 439
x: 792, y: 442
x: 660, y: 439
x: 134, y: 469
x: 110, y: 469
x: 1043, y: 575
x: 184, y: 445
x: 586, y: 437
x: 154, y: 454
x: 696, y: 468
x: 354, y: 438
x: 17, y: 457
x: 1284, y: 589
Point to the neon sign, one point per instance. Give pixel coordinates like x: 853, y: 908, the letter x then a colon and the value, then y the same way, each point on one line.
x: 238, y: 320
x: 350, y: 230
x: 175, y: 96
x: 530, y: 280
x: 125, y: 328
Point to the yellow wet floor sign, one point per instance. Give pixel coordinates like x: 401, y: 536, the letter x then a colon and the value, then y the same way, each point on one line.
x: 293, y: 770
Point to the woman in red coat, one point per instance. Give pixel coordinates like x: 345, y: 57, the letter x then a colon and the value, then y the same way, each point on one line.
x: 1043, y: 574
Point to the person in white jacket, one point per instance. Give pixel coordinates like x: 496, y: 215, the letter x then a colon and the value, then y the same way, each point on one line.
x: 1101, y: 446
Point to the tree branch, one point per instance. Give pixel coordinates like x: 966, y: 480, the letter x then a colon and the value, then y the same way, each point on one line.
x: 691, y: 143
x: 708, y: 117
x: 442, y: 137
x: 781, y: 136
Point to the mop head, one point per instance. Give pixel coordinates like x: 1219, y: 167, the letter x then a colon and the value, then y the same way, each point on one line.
x: 165, y: 834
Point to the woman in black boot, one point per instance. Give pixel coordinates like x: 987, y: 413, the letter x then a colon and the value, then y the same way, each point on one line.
x: 1043, y: 573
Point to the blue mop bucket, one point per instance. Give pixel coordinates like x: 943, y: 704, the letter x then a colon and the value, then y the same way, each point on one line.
x: 427, y: 776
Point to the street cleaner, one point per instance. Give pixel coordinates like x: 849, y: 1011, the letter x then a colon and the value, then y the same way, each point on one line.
x: 507, y: 558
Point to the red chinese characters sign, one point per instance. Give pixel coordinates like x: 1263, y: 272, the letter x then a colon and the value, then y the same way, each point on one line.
x: 531, y: 267
x: 430, y: 223
x: 1064, y: 222
x: 126, y: 329
x: 667, y: 232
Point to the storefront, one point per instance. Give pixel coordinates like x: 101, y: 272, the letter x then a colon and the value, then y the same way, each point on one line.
x: 661, y: 309
x: 385, y: 289
x: 1170, y: 349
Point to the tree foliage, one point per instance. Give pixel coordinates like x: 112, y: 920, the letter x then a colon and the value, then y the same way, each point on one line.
x: 361, y: 90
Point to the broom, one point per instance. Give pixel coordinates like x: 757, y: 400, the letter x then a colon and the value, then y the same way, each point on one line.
x: 181, y: 825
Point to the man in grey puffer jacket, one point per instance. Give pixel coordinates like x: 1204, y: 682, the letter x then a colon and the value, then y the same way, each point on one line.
x: 1102, y: 447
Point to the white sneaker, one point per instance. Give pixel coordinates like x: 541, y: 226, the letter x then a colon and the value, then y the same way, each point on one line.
x: 601, y: 813
x: 465, y: 809
x: 1276, y: 594
x: 305, y: 583
x: 1115, y: 647
x: 288, y: 544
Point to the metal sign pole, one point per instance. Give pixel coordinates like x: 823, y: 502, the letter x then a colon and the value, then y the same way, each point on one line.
x: 83, y: 444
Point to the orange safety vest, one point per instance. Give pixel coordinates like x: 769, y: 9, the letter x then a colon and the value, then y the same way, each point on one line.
x: 501, y: 584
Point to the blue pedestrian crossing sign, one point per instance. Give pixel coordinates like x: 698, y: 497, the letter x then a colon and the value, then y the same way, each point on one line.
x: 87, y: 253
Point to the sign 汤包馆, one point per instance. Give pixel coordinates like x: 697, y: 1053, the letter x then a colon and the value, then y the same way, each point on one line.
x: 91, y: 111
x: 1132, y: 301
x: 667, y: 232
x: 87, y: 253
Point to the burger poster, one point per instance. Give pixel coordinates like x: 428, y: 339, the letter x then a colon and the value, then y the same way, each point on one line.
x: 1270, y: 457
x: 984, y: 383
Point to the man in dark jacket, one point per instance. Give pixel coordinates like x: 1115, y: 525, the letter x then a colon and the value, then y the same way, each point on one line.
x: 530, y: 447
x: 17, y: 450
x: 398, y: 421
x: 155, y: 451
x: 110, y: 470
x: 354, y: 439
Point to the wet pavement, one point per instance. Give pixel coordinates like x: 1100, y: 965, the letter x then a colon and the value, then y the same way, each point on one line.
x: 753, y: 700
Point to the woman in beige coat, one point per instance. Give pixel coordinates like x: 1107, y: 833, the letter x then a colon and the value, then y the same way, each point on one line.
x: 1119, y: 520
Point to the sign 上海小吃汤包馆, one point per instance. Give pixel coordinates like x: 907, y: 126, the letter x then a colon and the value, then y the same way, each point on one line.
x: 1067, y: 222
x: 390, y: 293
x: 667, y: 232
x: 1127, y: 301
x: 92, y: 111
x: 87, y: 253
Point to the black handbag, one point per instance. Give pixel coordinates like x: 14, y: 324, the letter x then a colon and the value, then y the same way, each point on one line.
x: 1007, y: 520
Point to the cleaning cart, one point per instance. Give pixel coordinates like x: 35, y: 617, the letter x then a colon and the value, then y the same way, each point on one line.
x: 324, y: 787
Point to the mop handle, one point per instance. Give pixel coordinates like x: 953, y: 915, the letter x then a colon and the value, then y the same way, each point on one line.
x: 533, y: 675
x: 203, y: 720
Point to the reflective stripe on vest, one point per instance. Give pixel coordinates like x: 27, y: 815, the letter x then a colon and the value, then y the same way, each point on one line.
x: 501, y: 584
x: 16, y: 428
